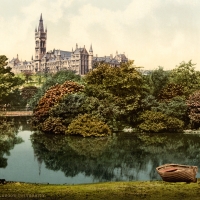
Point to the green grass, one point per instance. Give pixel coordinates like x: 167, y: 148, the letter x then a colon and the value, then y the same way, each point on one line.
x: 149, y: 190
x: 34, y: 80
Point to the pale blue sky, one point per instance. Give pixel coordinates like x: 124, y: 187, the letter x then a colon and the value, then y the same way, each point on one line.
x: 151, y: 32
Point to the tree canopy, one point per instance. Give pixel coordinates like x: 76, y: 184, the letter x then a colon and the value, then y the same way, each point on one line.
x: 8, y: 81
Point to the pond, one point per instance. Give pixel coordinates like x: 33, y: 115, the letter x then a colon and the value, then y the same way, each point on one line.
x: 37, y: 158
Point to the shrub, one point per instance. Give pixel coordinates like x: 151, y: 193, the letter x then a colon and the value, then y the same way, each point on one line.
x: 53, y: 125
x: 176, y: 107
x: 87, y: 125
x: 59, y: 78
x: 193, y: 104
x: 158, y: 122
x: 51, y: 98
x: 170, y: 91
x: 28, y: 92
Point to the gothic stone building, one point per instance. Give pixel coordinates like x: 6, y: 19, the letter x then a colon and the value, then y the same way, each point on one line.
x: 79, y: 60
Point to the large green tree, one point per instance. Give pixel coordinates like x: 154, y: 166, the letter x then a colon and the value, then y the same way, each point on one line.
x: 157, y: 80
x: 123, y: 86
x: 184, y: 74
x: 8, y: 81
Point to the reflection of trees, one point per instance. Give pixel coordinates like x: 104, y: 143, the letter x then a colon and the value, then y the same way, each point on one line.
x: 22, y: 123
x: 8, y: 139
x: 122, y: 157
x: 89, y: 147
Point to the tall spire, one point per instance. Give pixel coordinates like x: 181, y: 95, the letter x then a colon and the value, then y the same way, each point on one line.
x: 41, y: 27
x: 91, y: 50
x: 59, y: 53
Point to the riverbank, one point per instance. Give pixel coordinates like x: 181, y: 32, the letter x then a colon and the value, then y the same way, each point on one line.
x: 149, y: 190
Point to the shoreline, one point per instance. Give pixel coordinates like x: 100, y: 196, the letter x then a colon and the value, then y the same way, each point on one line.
x: 149, y: 190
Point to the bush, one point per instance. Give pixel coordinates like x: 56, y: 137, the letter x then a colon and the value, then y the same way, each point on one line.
x: 28, y: 92
x: 158, y: 122
x: 193, y: 104
x: 170, y: 91
x: 87, y: 125
x: 176, y: 107
x: 51, y: 98
x: 58, y: 78
x: 53, y: 125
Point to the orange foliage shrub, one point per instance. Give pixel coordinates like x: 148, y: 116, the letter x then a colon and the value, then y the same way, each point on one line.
x: 51, y: 98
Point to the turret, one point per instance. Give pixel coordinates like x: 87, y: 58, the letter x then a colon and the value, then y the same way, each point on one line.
x: 58, y: 55
x: 40, y: 43
x: 41, y: 27
x: 90, y: 63
x: 91, y: 50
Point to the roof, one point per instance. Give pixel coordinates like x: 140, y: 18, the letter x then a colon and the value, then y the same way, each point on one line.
x: 63, y: 53
x: 51, y: 55
x: 80, y: 50
x: 106, y: 59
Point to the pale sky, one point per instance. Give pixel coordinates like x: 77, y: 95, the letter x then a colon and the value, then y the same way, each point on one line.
x: 151, y: 32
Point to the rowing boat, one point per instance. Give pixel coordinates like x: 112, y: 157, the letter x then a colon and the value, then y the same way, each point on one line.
x: 177, y: 173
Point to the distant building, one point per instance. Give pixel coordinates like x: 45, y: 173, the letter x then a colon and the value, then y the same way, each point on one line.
x: 79, y: 60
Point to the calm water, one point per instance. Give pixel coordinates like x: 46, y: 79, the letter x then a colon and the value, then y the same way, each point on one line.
x: 33, y: 157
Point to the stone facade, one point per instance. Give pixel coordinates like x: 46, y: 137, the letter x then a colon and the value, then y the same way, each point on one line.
x: 79, y: 60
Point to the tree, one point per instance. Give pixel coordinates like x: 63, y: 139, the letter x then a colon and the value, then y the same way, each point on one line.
x: 158, y: 122
x: 176, y: 107
x: 50, y: 99
x: 157, y: 80
x: 27, y: 74
x: 123, y: 86
x: 8, y: 81
x: 59, y: 78
x: 184, y: 74
x: 170, y: 91
x: 28, y: 92
x: 193, y: 104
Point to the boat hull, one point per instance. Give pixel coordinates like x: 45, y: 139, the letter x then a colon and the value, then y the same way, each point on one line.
x: 177, y: 173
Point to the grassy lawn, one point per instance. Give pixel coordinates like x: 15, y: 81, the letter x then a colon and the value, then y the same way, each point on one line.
x: 34, y: 80
x: 149, y: 190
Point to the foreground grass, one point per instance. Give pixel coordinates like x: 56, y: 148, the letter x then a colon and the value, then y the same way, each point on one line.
x: 151, y: 190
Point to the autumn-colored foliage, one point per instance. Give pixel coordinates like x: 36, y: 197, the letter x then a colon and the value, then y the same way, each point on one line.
x: 52, y: 97
x: 170, y: 91
x: 193, y: 104
x: 53, y: 125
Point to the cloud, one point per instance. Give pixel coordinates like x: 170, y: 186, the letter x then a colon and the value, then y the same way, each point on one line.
x: 51, y: 9
x: 152, y: 32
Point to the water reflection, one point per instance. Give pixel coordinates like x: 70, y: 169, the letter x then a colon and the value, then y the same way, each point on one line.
x: 121, y: 157
x: 62, y: 159
x: 8, y: 139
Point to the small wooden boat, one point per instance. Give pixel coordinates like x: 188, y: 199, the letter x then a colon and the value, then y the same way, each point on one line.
x: 177, y: 173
